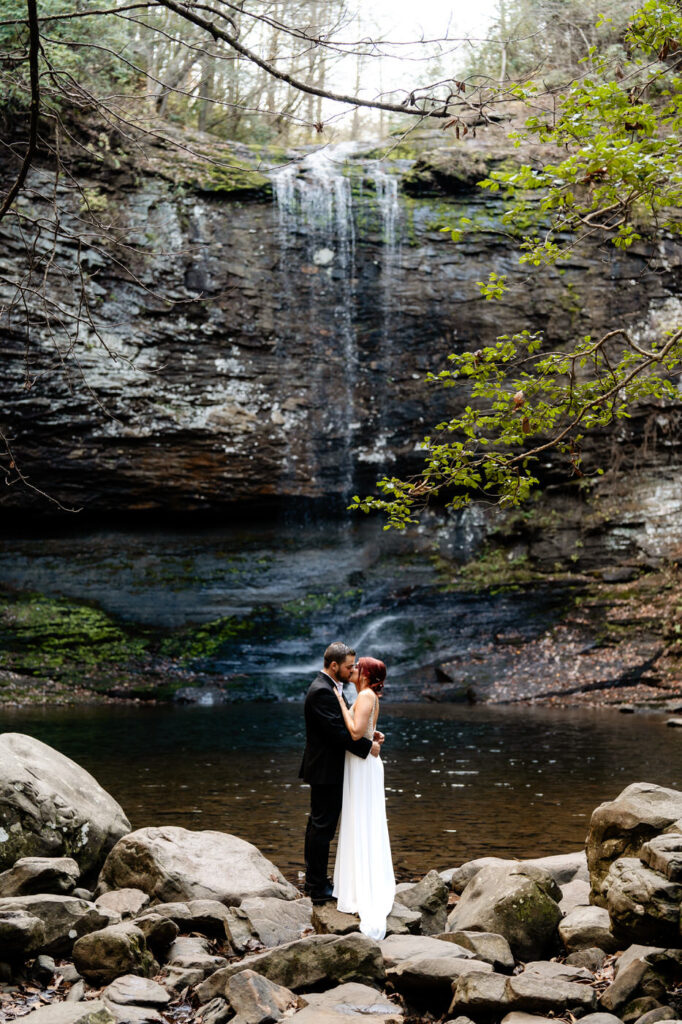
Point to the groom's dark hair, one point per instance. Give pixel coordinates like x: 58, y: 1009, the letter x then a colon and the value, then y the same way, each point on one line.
x: 338, y: 652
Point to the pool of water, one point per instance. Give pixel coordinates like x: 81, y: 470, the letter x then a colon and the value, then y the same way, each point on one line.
x: 461, y: 781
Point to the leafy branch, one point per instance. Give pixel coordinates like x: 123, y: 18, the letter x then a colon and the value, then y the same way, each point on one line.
x: 620, y: 128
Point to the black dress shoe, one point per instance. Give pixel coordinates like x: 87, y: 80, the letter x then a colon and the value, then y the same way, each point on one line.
x: 320, y: 895
x: 318, y: 898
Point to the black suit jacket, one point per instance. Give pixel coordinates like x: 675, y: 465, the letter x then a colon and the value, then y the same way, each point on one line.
x: 327, y: 738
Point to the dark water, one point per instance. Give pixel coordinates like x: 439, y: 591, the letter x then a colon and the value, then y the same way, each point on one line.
x: 461, y: 782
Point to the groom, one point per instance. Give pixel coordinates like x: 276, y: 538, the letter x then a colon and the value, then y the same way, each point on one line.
x: 327, y: 740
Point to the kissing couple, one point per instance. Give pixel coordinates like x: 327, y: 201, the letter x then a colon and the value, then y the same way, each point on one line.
x: 342, y: 764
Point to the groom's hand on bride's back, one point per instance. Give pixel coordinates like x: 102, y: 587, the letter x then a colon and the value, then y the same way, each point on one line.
x: 376, y: 749
x: 378, y: 737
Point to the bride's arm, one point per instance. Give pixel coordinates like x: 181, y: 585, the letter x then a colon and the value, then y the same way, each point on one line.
x: 363, y: 708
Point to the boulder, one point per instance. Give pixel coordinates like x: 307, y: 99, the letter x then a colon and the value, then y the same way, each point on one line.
x: 624, y: 988
x: 397, y: 948
x: 43, y: 970
x: 347, y: 1003
x: 591, y: 958
x: 600, y: 1018
x: 518, y: 902
x: 105, y: 955
x: 206, y: 916
x: 258, y: 1000
x: 172, y: 863
x: 427, y: 982
x: 190, y: 961
x: 638, y: 1008
x: 216, y: 1012
x: 664, y: 854
x: 314, y: 961
x: 533, y: 993
x: 21, y: 934
x: 654, y: 1016
x: 481, y: 995
x: 632, y: 953
x: 574, y: 894
x: 133, y: 1014
x: 32, y: 875
x: 494, y: 995
x: 563, y: 867
x: 492, y: 949
x: 64, y: 918
x: 126, y: 902
x: 403, y: 921
x: 550, y: 969
x: 50, y: 807
x: 158, y: 931
x: 327, y: 920
x: 620, y: 827
x: 272, y: 922
x: 459, y: 878
x: 587, y: 927
x: 130, y: 989
x: 644, y: 906
x: 428, y: 897
x: 94, y: 1012
x: 517, y: 1017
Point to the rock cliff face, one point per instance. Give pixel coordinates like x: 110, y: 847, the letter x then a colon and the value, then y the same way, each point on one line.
x: 271, y: 342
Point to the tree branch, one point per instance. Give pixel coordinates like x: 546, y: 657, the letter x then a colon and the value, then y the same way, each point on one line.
x: 34, y: 44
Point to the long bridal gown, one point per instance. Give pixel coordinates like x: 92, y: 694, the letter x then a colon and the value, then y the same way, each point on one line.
x: 364, y: 882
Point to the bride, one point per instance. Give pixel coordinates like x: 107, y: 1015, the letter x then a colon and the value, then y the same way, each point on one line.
x: 364, y: 882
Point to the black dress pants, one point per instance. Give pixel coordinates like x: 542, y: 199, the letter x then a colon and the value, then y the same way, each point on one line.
x: 325, y: 808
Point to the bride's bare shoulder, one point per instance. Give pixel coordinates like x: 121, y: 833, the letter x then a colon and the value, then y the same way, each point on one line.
x: 365, y: 695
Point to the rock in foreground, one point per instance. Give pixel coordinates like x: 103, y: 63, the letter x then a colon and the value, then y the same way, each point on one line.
x: 175, y: 864
x: 50, y: 806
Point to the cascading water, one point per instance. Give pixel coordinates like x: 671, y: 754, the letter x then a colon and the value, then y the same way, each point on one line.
x: 317, y: 206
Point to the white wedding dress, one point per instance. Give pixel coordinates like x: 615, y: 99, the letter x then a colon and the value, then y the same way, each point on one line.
x: 364, y: 882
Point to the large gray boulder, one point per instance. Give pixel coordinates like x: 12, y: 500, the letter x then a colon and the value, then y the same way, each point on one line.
x: 51, y: 807
x: 620, y: 827
x: 64, y: 918
x: 172, y: 863
x: 519, y: 902
x: 429, y: 898
x: 316, y: 961
x: 105, y: 955
x: 32, y: 875
x: 644, y: 906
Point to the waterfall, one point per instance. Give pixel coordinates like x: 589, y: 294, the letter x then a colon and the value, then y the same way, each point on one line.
x: 317, y: 209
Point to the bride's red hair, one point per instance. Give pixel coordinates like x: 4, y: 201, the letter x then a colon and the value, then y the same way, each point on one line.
x: 375, y: 672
